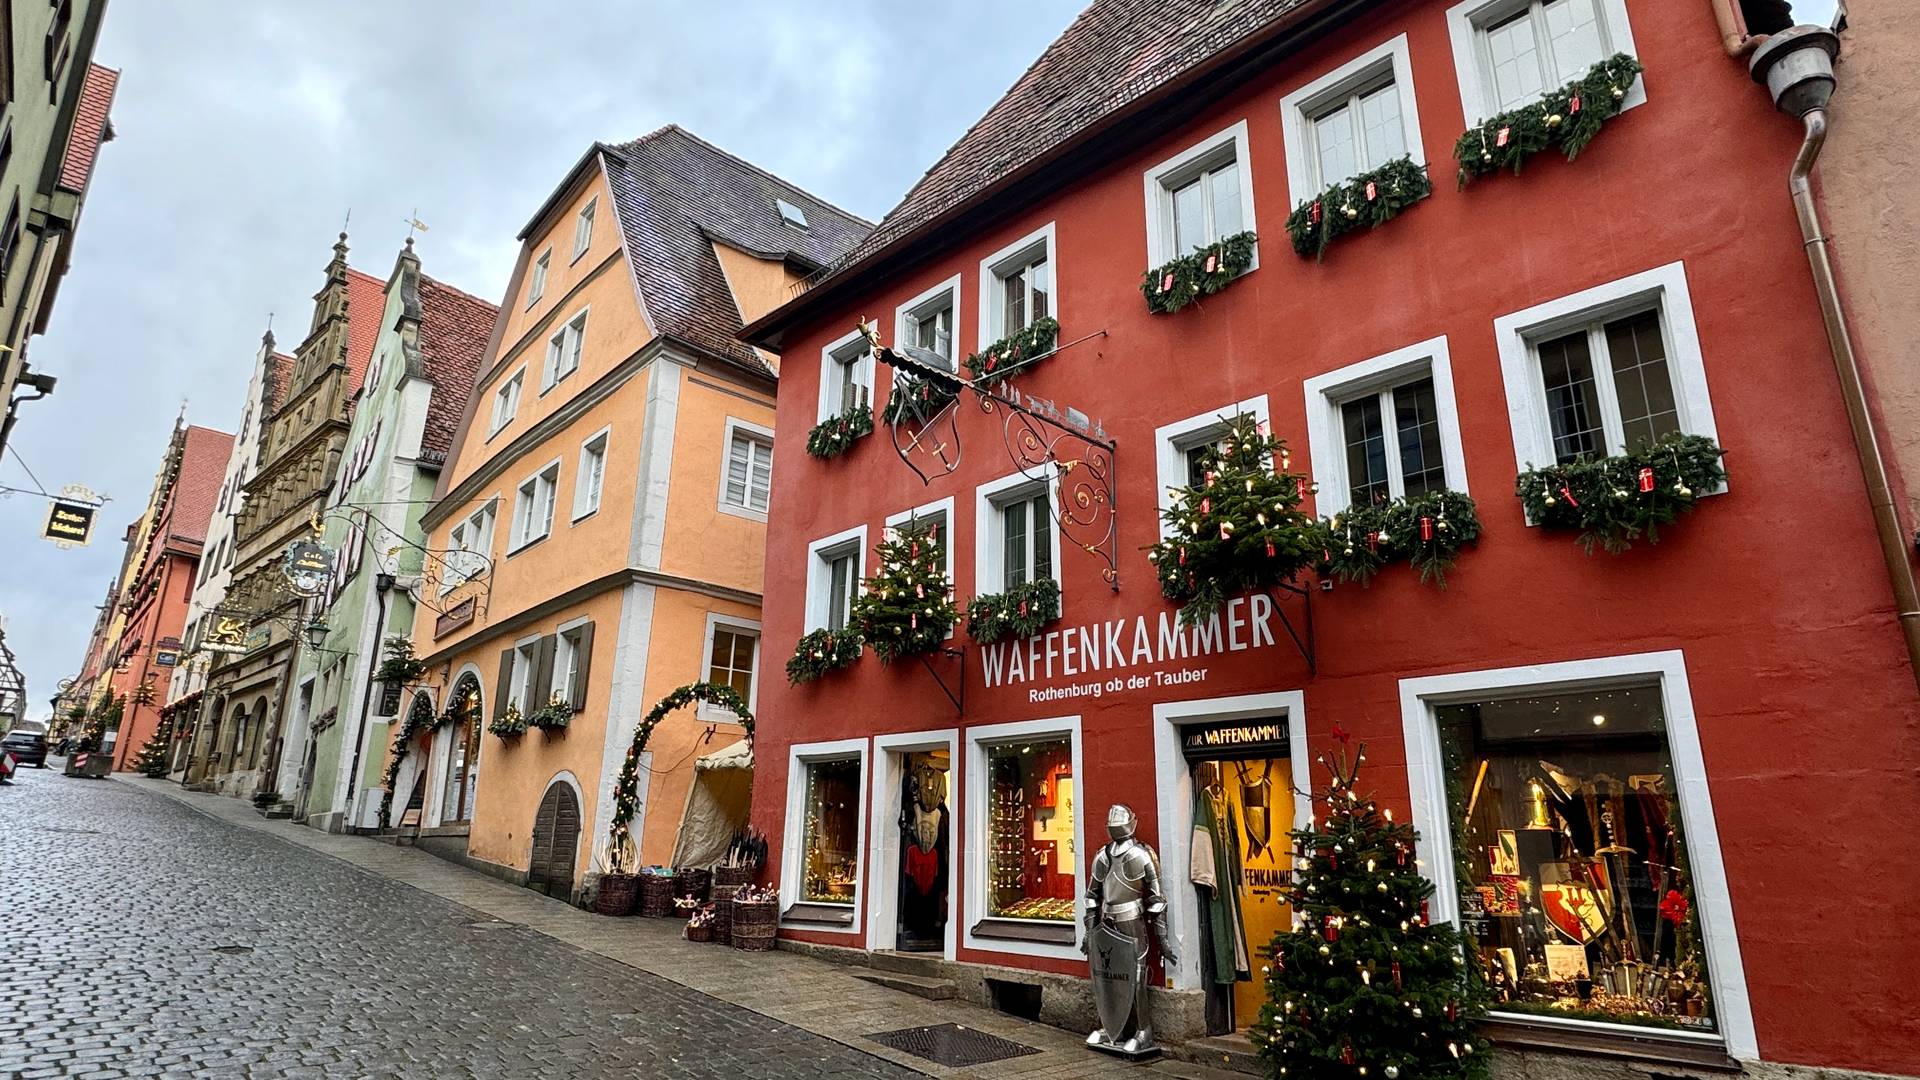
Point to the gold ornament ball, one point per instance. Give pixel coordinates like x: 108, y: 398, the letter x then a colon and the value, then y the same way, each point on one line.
x: 1324, y: 951
x: 1485, y: 156
x: 1553, y: 119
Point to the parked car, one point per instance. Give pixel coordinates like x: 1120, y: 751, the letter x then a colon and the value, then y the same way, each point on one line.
x: 27, y: 742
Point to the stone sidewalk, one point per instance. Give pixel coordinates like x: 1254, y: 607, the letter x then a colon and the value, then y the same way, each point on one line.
x: 813, y: 995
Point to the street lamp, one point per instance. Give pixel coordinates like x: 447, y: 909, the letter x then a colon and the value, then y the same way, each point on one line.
x: 316, y: 634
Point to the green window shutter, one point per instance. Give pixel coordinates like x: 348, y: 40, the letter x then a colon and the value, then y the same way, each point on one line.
x: 541, y: 690
x: 504, y: 687
x: 583, y: 658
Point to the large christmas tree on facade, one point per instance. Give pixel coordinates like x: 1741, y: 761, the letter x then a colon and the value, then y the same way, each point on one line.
x: 1365, y: 985
x: 906, y: 609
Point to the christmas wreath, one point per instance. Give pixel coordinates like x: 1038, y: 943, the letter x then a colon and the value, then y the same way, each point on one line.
x: 915, y: 400
x: 1429, y: 531
x: 836, y: 434
x: 1568, y: 117
x: 904, y: 609
x: 1240, y: 528
x: 1614, y: 501
x: 1013, y: 353
x: 509, y: 723
x: 1367, y: 201
x: 1205, y: 271
x: 820, y: 652
x: 626, y: 788
x: 1019, y: 612
x: 555, y: 715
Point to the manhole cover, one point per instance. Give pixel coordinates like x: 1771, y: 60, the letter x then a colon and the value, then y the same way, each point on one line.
x: 233, y: 950
x: 952, y: 1045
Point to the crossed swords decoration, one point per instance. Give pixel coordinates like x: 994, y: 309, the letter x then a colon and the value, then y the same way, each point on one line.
x: 1047, y: 444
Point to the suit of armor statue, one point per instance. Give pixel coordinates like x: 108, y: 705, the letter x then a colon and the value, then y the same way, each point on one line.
x: 1124, y: 904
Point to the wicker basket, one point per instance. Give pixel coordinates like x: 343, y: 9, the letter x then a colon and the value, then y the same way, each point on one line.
x: 700, y: 933
x: 656, y: 896
x: 753, y: 925
x: 692, y: 881
x: 723, y: 915
x: 734, y: 876
x: 616, y: 895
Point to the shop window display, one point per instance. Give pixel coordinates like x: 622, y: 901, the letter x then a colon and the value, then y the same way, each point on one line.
x: 1572, y: 865
x: 1030, y: 815
x: 832, y: 841
x: 924, y: 851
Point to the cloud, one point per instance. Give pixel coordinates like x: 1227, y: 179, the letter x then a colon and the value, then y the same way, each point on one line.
x: 247, y: 132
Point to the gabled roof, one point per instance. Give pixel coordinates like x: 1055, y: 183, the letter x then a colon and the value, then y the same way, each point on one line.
x: 673, y: 191
x: 454, y: 329
x: 366, y: 305
x: 203, y: 465
x: 1097, y: 80
x: 91, y: 127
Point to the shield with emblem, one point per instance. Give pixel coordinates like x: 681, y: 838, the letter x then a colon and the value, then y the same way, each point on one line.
x: 1115, y: 960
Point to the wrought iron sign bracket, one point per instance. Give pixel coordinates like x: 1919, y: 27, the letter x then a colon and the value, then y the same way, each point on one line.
x: 956, y: 695
x: 1303, y: 635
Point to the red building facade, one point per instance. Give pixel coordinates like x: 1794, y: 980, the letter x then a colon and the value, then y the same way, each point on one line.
x: 1717, y: 717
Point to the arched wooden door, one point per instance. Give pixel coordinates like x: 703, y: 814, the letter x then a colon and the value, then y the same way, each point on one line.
x: 556, y: 839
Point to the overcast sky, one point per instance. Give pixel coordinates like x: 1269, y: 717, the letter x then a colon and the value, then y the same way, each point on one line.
x: 247, y: 131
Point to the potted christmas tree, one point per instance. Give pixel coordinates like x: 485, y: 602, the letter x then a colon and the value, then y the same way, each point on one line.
x: 1365, y: 985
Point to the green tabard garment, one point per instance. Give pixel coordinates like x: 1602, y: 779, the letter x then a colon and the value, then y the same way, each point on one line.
x: 1216, y: 864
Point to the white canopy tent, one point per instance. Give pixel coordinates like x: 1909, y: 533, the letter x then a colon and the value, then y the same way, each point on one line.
x: 717, y: 805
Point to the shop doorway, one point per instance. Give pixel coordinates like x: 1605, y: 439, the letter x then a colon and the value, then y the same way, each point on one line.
x: 1241, y: 776
x: 912, y: 848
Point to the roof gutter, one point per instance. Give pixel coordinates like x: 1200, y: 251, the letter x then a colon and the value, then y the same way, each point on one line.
x: 1137, y: 122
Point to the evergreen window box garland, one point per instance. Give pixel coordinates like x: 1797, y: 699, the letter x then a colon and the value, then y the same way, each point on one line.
x: 1203, y: 272
x: 1429, y: 531
x: 904, y: 609
x: 1568, y: 117
x: 836, y: 434
x: 1017, y: 613
x: 820, y: 652
x: 509, y: 723
x: 1369, y: 200
x: 914, y: 398
x: 1614, y: 501
x: 1013, y: 353
x: 554, y: 716
x: 1240, y: 529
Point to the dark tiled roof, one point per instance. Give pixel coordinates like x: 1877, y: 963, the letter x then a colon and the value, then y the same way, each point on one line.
x: 1114, y: 54
x: 454, y: 328
x: 90, y: 127
x: 203, y: 465
x: 673, y: 190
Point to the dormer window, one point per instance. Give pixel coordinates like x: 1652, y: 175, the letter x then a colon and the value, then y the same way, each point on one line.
x: 790, y: 213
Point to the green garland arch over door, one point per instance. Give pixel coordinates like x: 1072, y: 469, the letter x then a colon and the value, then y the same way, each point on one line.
x: 626, y: 790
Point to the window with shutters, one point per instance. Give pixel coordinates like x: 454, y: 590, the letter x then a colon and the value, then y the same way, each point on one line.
x: 573, y: 654
x: 834, y: 567
x: 524, y: 690
x: 732, y: 658
x: 592, y: 475
x: 1385, y: 428
x: 1509, y: 52
x: 748, y: 476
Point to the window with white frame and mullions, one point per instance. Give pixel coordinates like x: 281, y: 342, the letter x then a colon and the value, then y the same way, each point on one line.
x: 1573, y: 869
x: 1030, y: 826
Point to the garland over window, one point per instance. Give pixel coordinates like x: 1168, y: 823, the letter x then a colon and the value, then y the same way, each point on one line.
x: 1568, y: 117
x: 1019, y: 612
x: 626, y: 789
x: 1429, y: 531
x: 1367, y: 201
x: 1616, y: 500
x: 836, y: 434
x: 1013, y: 353
x: 509, y: 723
x: 904, y: 609
x: 1240, y: 529
x: 419, y: 722
x: 820, y: 652
x: 914, y: 398
x: 1205, y: 271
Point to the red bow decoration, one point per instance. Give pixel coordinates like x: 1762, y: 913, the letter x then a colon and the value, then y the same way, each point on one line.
x: 1342, y: 735
x: 1673, y: 907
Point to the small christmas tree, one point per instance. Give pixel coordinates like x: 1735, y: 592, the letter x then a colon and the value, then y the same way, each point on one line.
x: 152, y: 759
x: 1364, y: 985
x: 905, y: 609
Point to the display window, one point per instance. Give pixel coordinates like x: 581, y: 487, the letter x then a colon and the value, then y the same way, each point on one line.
x: 1030, y: 830
x: 830, y: 841
x: 1575, y: 881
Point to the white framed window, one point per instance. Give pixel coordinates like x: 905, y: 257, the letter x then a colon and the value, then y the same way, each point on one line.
x: 583, y: 228
x: 1015, y: 535
x: 1179, y: 448
x: 537, y: 284
x: 526, y: 668
x: 731, y: 659
x: 747, y: 477
x: 1015, y: 903
x: 1617, y: 734
x: 469, y: 547
x: 1385, y: 428
x: 572, y: 643
x: 592, y: 475
x: 1200, y: 195
x: 563, y: 351
x: 928, y: 320
x: 1351, y: 120
x: 1508, y: 52
x: 533, y: 507
x: 824, y: 835
x: 835, y: 565
x: 846, y: 374
x: 1605, y: 369
x: 1018, y: 285
x: 936, y: 515
x: 506, y: 402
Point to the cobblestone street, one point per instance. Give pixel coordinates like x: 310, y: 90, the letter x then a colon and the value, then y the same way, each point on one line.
x: 146, y: 939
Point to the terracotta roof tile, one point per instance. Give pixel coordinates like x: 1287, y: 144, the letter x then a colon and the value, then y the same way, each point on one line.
x: 91, y: 127
x: 454, y: 329
x: 673, y: 191
x: 203, y: 465
x: 366, y: 303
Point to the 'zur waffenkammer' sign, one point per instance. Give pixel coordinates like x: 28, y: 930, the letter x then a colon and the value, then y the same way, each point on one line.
x: 309, y: 565
x: 68, y: 523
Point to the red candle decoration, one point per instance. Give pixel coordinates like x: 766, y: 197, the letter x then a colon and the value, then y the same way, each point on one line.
x: 1567, y: 494
x: 1213, y: 261
x: 1426, y: 528
x: 1333, y: 931
x: 1269, y: 549
x: 1646, y: 478
x: 1501, y: 139
x: 1372, y: 192
x: 1573, y: 106
x: 1166, y: 282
